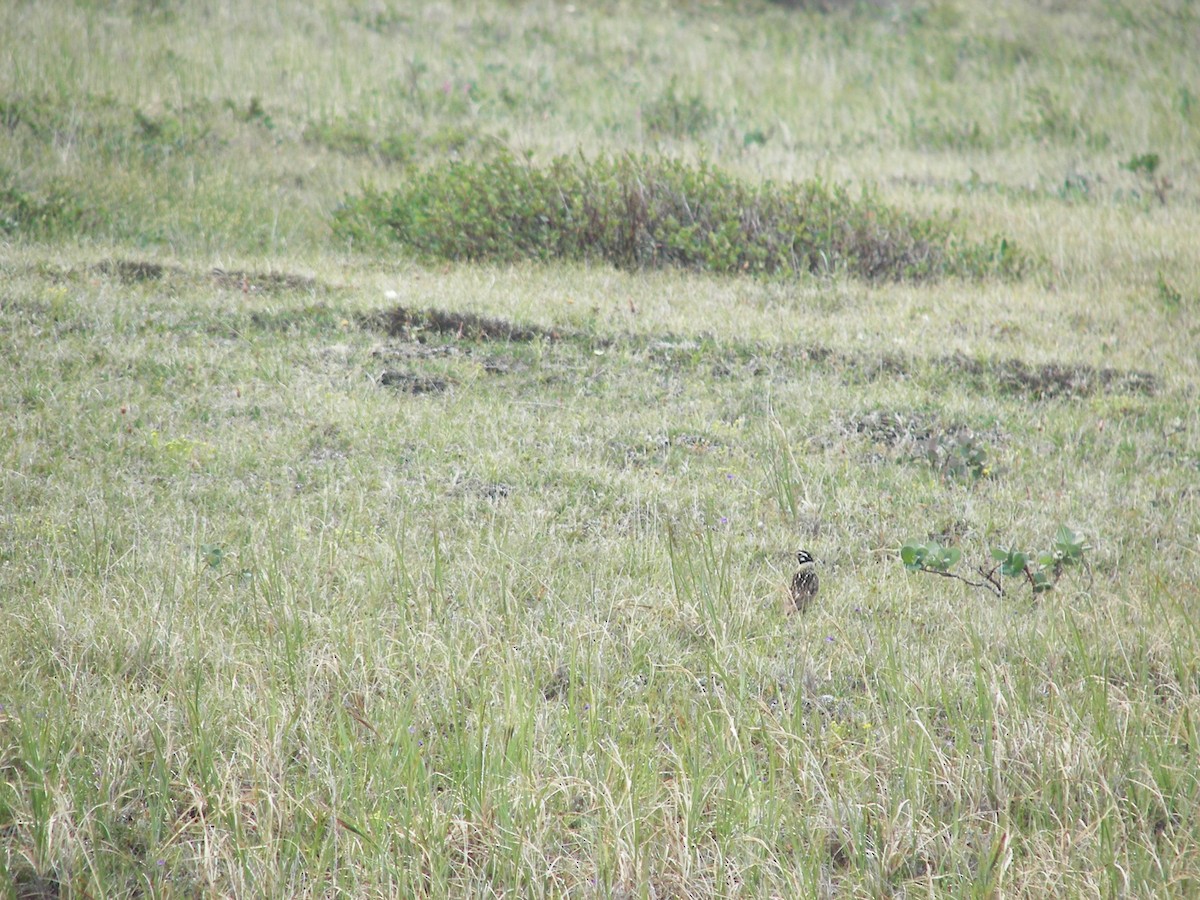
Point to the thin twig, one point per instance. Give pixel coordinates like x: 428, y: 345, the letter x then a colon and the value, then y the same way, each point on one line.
x: 988, y: 584
x: 990, y: 578
x: 1030, y: 579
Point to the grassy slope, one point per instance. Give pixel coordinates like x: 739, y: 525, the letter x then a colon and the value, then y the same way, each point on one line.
x: 524, y: 633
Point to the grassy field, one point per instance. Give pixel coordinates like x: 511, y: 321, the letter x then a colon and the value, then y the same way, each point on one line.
x: 330, y: 568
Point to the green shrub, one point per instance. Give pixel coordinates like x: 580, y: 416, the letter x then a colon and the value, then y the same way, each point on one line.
x: 53, y: 211
x: 637, y: 212
x: 1040, y: 570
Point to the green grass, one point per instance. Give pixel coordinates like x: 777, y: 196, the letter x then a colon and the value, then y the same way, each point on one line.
x: 342, y: 570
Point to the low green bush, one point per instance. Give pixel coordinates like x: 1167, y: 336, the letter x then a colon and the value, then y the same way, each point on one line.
x: 638, y: 212
x: 50, y: 212
x: 1040, y: 570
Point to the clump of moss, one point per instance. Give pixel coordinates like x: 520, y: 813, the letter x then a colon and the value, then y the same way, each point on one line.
x: 637, y: 212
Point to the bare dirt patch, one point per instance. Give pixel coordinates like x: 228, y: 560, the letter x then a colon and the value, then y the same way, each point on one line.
x: 135, y: 271
x: 265, y: 282
x: 412, y: 352
x: 141, y: 271
x: 413, y: 324
x: 1049, y: 380
x: 412, y: 383
x: 891, y: 428
x: 1010, y: 376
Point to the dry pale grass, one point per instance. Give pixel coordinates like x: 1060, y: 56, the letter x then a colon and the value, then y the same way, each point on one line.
x: 278, y: 625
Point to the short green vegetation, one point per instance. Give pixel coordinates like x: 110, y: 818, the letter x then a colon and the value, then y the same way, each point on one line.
x: 646, y: 212
x: 1040, y: 570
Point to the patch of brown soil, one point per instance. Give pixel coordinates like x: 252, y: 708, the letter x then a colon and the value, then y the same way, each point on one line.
x: 891, y: 428
x: 1050, y: 380
x: 1012, y: 376
x: 410, y: 323
x: 134, y: 271
x: 264, y: 282
x: 411, y: 383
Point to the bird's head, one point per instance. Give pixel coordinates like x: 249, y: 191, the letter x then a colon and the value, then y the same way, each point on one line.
x: 803, y: 557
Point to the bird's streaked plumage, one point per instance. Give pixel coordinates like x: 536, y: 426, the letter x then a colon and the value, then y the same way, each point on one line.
x: 805, y: 582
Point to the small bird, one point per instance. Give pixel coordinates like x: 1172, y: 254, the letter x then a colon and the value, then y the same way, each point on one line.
x: 805, y: 582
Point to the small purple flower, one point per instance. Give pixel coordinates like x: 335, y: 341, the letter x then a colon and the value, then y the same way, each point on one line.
x: 829, y: 639
x: 724, y: 520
